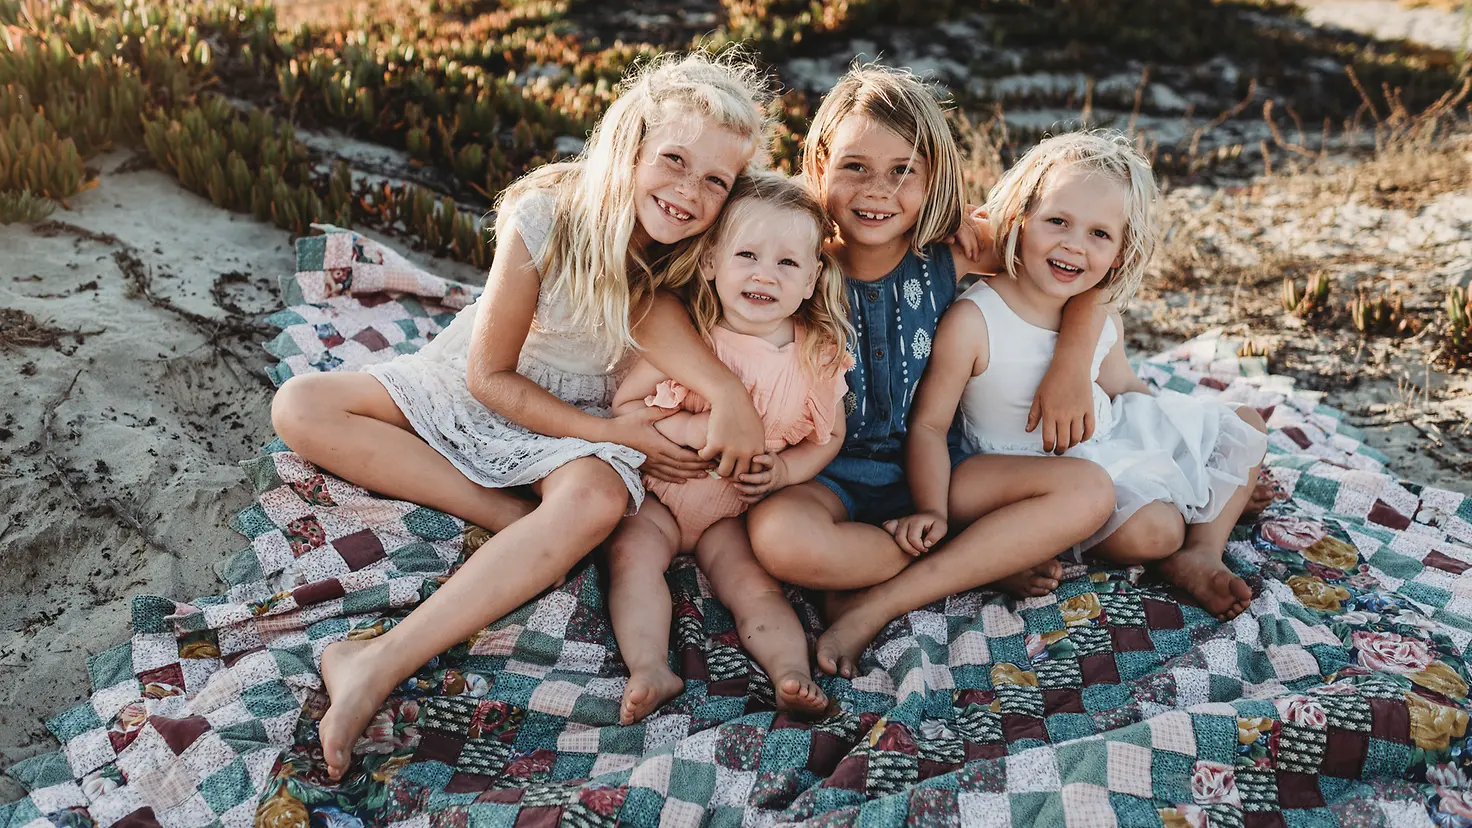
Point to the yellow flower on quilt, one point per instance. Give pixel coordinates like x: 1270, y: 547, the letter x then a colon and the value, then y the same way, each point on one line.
x: 1333, y: 552
x: 282, y: 811
x: 1014, y: 675
x: 473, y: 538
x: 1433, y: 726
x: 373, y: 630
x: 1080, y: 609
x: 393, y: 765
x: 1442, y: 679
x: 1250, y: 730
x: 1314, y: 593
x: 200, y: 648
x: 876, y: 731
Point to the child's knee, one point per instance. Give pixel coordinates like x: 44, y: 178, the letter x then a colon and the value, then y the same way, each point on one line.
x: 1160, y: 533
x: 779, y: 537
x: 1091, y: 490
x: 295, y: 409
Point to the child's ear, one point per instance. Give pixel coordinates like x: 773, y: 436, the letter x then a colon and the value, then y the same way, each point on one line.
x: 708, y: 265
x: 813, y: 281
x: 1118, y: 261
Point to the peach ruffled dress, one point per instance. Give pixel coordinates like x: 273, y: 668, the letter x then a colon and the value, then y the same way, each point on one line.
x: 792, y: 405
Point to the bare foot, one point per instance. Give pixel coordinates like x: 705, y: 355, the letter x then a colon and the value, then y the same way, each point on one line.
x: 1201, y: 573
x: 840, y: 646
x: 1032, y: 583
x: 1264, y: 493
x: 798, y: 693
x: 647, y: 690
x: 357, y: 686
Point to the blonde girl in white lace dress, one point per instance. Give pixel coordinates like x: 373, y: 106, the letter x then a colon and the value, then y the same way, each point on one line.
x: 516, y: 391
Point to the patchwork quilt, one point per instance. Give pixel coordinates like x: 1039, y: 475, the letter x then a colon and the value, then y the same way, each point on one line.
x: 1339, y: 698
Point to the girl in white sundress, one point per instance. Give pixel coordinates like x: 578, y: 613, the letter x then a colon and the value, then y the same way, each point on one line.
x: 516, y: 391
x: 1078, y: 211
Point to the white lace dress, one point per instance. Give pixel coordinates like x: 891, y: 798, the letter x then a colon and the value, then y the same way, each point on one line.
x: 578, y: 368
x: 1191, y: 452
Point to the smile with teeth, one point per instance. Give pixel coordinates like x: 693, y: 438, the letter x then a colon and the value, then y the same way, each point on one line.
x: 1066, y: 268
x: 672, y: 211
x: 873, y: 216
x: 757, y: 297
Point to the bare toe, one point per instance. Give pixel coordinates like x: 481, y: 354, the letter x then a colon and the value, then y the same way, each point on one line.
x: 798, y: 693
x: 645, y: 692
x: 355, y: 685
x: 1202, y: 574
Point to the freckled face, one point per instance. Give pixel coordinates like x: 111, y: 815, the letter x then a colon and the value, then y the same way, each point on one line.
x: 682, y: 178
x: 874, y: 183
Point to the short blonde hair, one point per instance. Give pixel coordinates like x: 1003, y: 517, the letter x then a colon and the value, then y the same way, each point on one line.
x: 588, y: 255
x: 901, y: 102
x: 824, y: 316
x: 1103, y: 152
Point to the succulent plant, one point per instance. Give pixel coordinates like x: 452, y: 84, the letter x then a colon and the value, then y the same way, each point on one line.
x: 1383, y: 314
x: 1310, y: 301
x: 1457, y: 339
x: 22, y: 206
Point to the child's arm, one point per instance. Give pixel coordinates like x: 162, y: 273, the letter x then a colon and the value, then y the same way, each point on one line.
x: 960, y: 353
x: 793, y: 465
x: 1115, y: 374
x: 1064, y: 403
x: 670, y: 342
x: 681, y: 427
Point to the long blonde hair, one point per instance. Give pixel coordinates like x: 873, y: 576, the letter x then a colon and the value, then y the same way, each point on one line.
x: 588, y: 253
x: 824, y: 316
x: 901, y: 102
x: 1104, y: 152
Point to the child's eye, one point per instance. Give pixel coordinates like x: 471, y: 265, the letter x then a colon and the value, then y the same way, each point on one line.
x: 1055, y: 220
x: 788, y: 263
x: 675, y: 158
x: 902, y: 170
x: 854, y: 166
x: 718, y: 181
x: 1103, y: 234
x: 746, y: 254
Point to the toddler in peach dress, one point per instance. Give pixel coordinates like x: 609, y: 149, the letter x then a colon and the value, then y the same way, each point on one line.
x: 771, y: 305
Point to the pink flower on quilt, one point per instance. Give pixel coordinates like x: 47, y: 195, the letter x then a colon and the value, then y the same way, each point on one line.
x: 1302, y: 711
x: 1391, y: 652
x: 1454, y: 803
x: 1447, y: 776
x: 1214, y: 784
x: 1292, y: 533
x: 378, y: 736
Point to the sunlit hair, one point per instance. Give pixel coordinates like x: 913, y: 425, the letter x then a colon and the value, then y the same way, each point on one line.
x: 901, y: 102
x: 1109, y: 153
x: 824, y: 316
x: 589, y: 263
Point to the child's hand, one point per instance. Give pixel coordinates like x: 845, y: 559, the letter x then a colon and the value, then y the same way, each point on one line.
x: 916, y: 533
x: 1064, y: 407
x: 734, y: 435
x: 664, y: 459
x: 769, y: 473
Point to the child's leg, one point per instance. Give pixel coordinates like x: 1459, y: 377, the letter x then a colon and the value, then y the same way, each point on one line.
x: 581, y: 504
x: 802, y: 535
x: 1153, y: 533
x: 349, y: 425
x: 1198, y: 567
x: 1025, y: 511
x: 639, y: 604
x: 767, y: 624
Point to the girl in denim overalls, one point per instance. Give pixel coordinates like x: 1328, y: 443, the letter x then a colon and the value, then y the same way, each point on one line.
x: 881, y: 155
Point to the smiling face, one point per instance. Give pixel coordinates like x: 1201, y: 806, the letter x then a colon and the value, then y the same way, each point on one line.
x: 683, y: 176
x: 1073, y: 236
x: 765, y: 267
x: 874, y: 182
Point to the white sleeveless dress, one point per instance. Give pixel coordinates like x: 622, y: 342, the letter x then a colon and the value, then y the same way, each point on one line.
x: 1191, y: 452
x: 430, y: 386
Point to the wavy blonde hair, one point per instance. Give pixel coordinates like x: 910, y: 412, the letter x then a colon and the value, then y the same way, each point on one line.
x: 824, y: 316
x: 901, y: 102
x: 1105, y: 152
x: 589, y: 263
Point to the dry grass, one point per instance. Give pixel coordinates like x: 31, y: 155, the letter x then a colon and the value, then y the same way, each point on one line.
x: 20, y: 329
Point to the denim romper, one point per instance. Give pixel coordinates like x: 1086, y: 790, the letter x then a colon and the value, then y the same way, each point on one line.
x: 894, y: 321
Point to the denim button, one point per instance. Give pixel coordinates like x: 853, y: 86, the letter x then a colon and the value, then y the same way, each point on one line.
x: 873, y: 295
x: 879, y: 353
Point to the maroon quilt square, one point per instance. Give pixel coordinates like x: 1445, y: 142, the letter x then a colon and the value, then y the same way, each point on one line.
x: 373, y: 300
x: 727, y: 687
x: 692, y: 664
x: 1214, y: 383
x: 1344, y: 753
x: 332, y: 340
x: 370, y: 339
x: 1299, y: 790
x: 1446, y: 563
x: 230, y: 658
x: 787, y: 721
x: 850, y: 774
x: 929, y: 768
x: 985, y: 750
x: 1162, y: 615
x: 141, y: 818
x: 963, y: 699
x: 1391, y: 720
x: 1131, y: 639
x: 502, y: 796
x: 462, y: 783
x: 1296, y: 434
x: 1016, y: 726
x: 438, y: 746
x: 159, y: 682
x: 540, y: 816
x: 359, y: 549
x: 1099, y: 669
x: 1263, y: 819
x: 328, y: 589
x: 824, y: 753
x: 1063, y: 701
x: 179, y: 733
x: 1386, y: 515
